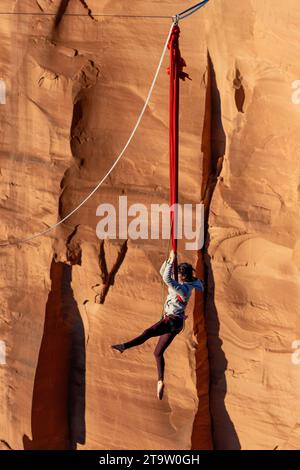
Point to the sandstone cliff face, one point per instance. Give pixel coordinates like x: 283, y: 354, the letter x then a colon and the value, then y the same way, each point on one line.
x: 75, y: 85
x: 253, y: 299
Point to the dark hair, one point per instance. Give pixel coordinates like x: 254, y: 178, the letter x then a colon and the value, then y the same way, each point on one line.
x: 186, y: 270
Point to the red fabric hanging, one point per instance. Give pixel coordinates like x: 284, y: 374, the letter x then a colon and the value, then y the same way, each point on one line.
x: 176, y: 72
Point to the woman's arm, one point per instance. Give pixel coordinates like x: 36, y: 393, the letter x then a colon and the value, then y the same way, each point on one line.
x: 172, y: 283
x: 164, y: 265
x: 162, y: 269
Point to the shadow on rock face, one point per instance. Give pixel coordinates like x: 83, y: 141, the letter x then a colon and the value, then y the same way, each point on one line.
x: 60, y: 13
x: 58, y: 403
x: 224, y: 434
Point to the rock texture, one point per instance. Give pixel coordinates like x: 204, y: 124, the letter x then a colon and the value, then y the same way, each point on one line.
x: 75, y: 84
x: 253, y: 242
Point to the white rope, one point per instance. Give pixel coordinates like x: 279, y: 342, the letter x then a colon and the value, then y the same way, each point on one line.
x: 40, y: 234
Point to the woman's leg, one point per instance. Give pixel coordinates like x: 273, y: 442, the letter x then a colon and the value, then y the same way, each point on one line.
x: 163, y: 342
x: 157, y: 329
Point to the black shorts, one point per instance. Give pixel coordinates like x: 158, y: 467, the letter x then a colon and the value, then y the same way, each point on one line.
x: 175, y: 322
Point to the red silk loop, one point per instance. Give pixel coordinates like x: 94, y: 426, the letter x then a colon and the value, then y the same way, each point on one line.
x: 174, y: 43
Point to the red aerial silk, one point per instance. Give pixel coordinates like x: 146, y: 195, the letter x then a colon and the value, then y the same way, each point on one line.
x: 176, y: 72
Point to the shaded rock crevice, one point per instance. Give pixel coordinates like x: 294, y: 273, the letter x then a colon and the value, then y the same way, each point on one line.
x: 239, y: 94
x: 201, y: 354
x: 108, y: 277
x: 60, y: 13
x: 214, y: 147
x: 74, y: 251
x: 86, y: 78
x: 213, y: 141
x: 58, y: 402
x: 89, y: 11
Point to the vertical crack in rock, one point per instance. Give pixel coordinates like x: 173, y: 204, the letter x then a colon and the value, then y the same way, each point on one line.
x: 108, y: 277
x: 214, y: 147
x: 88, y: 9
x: 85, y: 79
x: 75, y: 134
x: 39, y: 5
x: 239, y: 91
x: 60, y: 13
x: 102, y: 264
x: 202, y: 423
x: 74, y: 252
x: 58, y: 403
x: 213, y: 142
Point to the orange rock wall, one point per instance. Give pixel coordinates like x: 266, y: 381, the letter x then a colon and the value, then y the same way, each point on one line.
x: 75, y: 84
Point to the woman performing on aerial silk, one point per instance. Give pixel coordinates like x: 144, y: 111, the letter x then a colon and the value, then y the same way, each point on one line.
x: 172, y: 321
x: 179, y: 292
